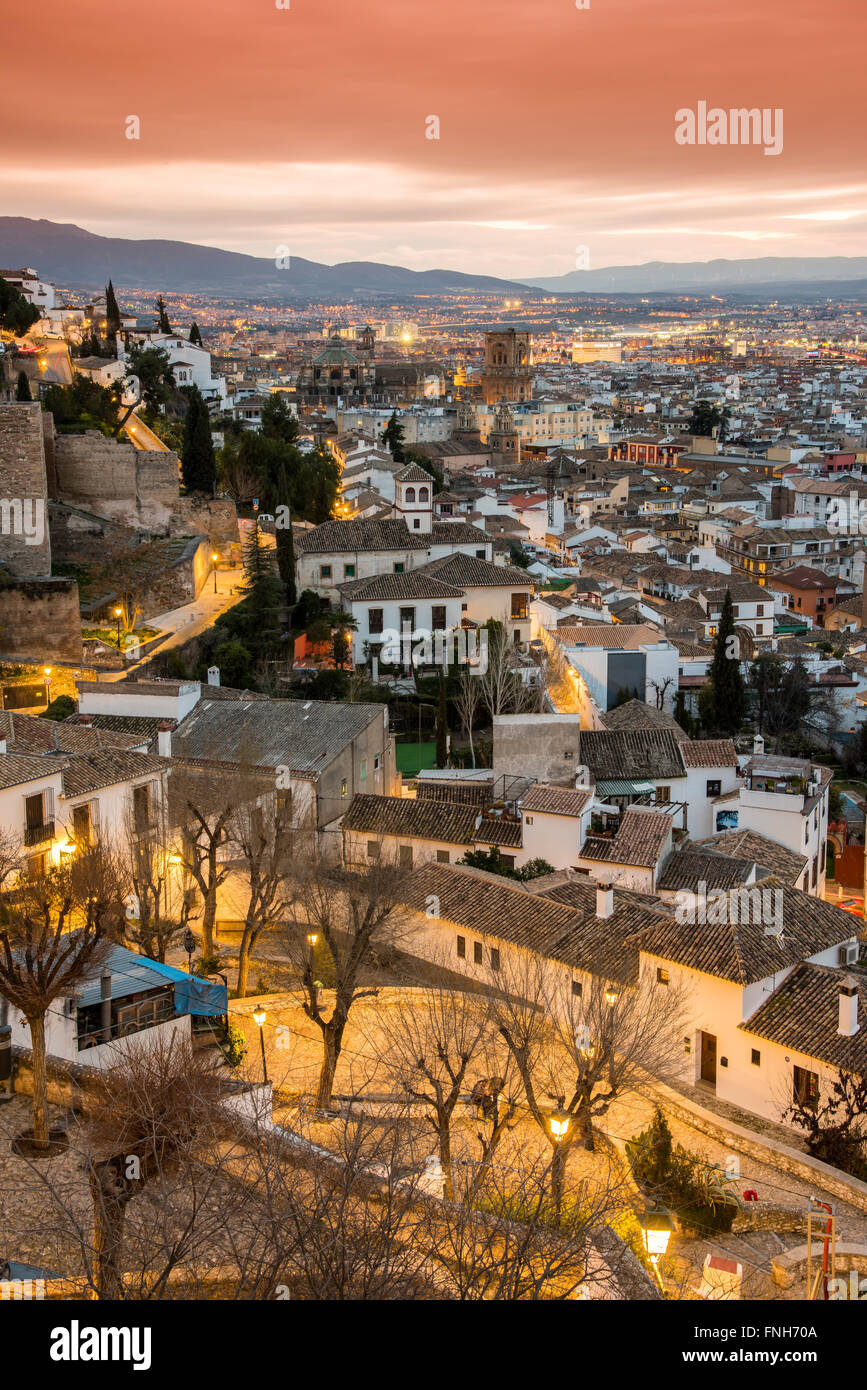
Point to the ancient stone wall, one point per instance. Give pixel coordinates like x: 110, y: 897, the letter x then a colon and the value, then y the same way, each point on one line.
x: 214, y: 517
x: 40, y: 621
x: 25, y: 547
x: 137, y: 487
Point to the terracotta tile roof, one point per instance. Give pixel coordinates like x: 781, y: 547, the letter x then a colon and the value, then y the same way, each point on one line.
x: 405, y: 817
x: 743, y: 951
x: 617, y: 753
x: 503, y: 833
x: 413, y: 474
x: 305, y: 735
x: 803, y: 1014
x: 635, y: 714
x: 604, y: 945
x: 709, y: 752
x: 555, y: 801
x: 412, y: 584
x: 17, y: 768
x: 24, y: 733
x: 689, y: 867
x: 489, y: 904
x: 87, y: 772
x: 469, y: 793
x: 344, y: 537
x: 785, y: 864
x: 641, y: 837
x: 613, y: 636
x: 466, y: 571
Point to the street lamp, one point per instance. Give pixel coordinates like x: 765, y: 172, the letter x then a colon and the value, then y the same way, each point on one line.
x: 612, y: 994
x: 656, y: 1231
x: 559, y: 1121
x: 214, y: 558
x: 118, y: 612
x: 189, y: 947
x: 312, y: 938
x: 47, y: 671
x: 259, y: 1019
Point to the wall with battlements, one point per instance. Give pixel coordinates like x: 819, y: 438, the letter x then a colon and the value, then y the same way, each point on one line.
x: 25, y: 547
x: 115, y: 480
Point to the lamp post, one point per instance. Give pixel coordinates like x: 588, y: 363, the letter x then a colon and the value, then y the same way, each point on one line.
x: 47, y: 671
x: 118, y: 613
x: 612, y: 994
x: 214, y: 558
x: 259, y: 1018
x: 656, y: 1231
x: 189, y: 947
x: 559, y: 1121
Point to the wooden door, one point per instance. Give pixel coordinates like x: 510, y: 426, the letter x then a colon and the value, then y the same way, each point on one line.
x: 708, y: 1058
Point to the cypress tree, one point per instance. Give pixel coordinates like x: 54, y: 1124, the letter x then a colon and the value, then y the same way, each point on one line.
x: 198, y: 466
x: 285, y: 540
x: 725, y: 698
x: 264, y: 597
x: 112, y: 313
x: 165, y: 326
x: 442, y: 724
x: 195, y: 335
x: 22, y: 392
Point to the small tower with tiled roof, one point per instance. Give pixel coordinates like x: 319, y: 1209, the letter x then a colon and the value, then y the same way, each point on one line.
x: 413, y: 497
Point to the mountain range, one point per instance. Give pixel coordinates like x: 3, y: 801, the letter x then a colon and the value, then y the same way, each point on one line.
x: 678, y: 277
x: 79, y: 259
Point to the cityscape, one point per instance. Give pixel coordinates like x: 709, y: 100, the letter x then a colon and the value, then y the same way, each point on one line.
x: 433, y: 675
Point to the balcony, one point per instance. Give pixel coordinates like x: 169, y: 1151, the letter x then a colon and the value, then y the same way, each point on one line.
x: 38, y: 834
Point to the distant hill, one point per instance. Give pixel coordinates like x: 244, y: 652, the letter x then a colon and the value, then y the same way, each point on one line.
x: 68, y: 254
x: 80, y: 259
x: 708, y: 277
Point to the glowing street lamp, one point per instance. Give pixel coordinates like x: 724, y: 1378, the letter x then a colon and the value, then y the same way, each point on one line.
x: 312, y: 938
x: 259, y: 1017
x: 118, y: 613
x: 214, y: 558
x: 612, y: 994
x: 656, y: 1229
x: 558, y: 1121
x: 47, y: 673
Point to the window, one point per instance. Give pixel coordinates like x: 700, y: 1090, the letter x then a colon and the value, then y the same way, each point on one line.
x: 495, y: 958
x: 480, y: 554
x: 662, y: 976
x: 398, y: 567
x: 376, y: 763
x: 141, y: 804
x: 519, y: 606
x: 528, y: 820
x: 508, y: 860
x: 81, y: 824
x: 462, y: 947
x: 416, y: 525
x: 373, y: 849
x: 374, y: 621
x: 478, y: 954
x: 364, y: 769
x: 407, y: 618
x: 805, y: 1087
x: 577, y: 988
x: 348, y: 571
x: 325, y: 572
x: 438, y: 618
x: 756, y: 1057
x: 443, y: 856
x: 714, y: 788
x: 406, y: 856
x: 422, y: 494
x: 410, y: 495
x: 663, y: 794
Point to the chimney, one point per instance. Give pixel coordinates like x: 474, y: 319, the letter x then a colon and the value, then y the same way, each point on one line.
x: 758, y: 746
x: 848, y: 1024
x: 86, y: 721
x: 164, y: 739
x: 105, y: 1006
x: 604, y: 900
x: 213, y: 675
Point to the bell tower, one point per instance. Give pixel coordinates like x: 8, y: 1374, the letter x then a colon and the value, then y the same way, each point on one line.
x: 413, y: 498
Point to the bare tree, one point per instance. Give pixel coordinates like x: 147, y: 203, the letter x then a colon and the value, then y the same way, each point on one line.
x: 57, y: 931
x: 467, y: 701
x: 150, y: 924
x: 355, y: 908
x: 201, y: 807
x: 431, y: 1038
x: 147, y: 1115
x: 261, y: 844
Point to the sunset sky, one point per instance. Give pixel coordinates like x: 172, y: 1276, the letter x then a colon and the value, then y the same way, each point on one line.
x: 305, y: 128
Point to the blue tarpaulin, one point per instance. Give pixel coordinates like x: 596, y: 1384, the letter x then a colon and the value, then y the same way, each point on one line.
x: 192, y: 994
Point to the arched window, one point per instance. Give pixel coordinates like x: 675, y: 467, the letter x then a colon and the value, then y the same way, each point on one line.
x: 422, y: 494
x: 410, y: 494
